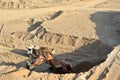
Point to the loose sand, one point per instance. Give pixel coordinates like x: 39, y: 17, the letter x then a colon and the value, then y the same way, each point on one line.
x: 84, y: 32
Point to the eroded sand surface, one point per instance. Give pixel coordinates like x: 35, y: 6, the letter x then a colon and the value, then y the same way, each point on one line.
x: 84, y: 32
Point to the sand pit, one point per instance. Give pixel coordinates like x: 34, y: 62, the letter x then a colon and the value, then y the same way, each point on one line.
x: 85, y: 35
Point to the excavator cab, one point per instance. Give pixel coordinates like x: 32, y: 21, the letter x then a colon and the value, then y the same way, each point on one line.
x: 31, y: 52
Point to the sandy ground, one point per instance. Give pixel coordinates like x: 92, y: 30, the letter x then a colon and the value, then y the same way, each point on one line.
x: 79, y: 30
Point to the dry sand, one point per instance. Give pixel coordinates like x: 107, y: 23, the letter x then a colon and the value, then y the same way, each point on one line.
x: 81, y: 31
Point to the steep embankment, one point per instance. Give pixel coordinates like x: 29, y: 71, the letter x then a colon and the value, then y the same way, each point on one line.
x: 109, y: 69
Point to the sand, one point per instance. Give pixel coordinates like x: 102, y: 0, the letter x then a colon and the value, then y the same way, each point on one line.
x: 84, y: 32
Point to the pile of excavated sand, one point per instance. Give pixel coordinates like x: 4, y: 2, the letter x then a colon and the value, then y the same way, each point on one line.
x: 72, y: 23
x: 102, y: 24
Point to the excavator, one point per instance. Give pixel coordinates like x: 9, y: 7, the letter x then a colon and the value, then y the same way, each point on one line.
x: 44, y: 54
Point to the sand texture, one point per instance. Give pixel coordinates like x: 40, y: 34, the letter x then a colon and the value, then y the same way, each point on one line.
x: 84, y: 32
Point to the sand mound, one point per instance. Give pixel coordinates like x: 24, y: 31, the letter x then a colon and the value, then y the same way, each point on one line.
x: 106, y: 26
x: 79, y: 27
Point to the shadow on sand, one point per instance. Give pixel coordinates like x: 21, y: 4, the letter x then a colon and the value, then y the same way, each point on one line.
x: 107, y: 26
x: 34, y: 26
